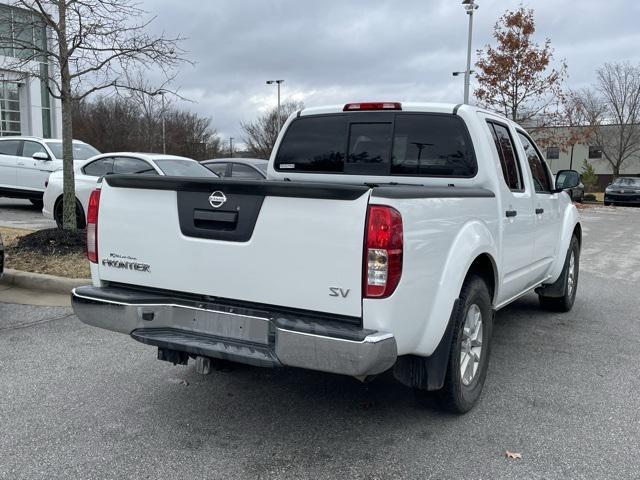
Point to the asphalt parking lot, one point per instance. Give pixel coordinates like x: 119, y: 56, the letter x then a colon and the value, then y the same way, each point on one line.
x: 22, y: 214
x: 563, y: 390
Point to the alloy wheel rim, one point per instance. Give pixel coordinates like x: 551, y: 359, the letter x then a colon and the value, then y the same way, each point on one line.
x: 571, y: 277
x: 471, y: 350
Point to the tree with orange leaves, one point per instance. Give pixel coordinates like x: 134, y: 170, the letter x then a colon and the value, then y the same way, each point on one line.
x: 516, y: 77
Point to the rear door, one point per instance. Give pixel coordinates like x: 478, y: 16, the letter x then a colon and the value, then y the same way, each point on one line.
x: 8, y: 162
x: 516, y: 213
x: 547, y: 208
x: 31, y: 173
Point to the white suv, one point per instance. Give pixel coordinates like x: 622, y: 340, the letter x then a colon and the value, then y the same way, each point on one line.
x: 27, y: 162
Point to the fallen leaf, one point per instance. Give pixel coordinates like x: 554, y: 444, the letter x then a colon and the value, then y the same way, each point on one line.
x: 513, y: 455
x: 184, y: 382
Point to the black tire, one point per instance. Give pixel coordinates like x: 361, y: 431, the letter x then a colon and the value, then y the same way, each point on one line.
x: 569, y: 280
x: 36, y: 202
x: 606, y: 204
x: 57, y: 214
x: 459, y: 395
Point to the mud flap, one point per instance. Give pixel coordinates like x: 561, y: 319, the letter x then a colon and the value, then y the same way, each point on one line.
x: 427, y: 373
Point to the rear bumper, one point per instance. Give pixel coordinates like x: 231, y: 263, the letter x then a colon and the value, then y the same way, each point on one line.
x: 245, y: 335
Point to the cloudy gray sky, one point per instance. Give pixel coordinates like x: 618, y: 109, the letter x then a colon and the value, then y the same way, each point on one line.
x: 336, y: 51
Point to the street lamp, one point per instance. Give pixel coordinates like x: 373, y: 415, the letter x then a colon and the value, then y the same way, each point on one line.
x: 470, y: 6
x: 231, y: 147
x: 277, y: 82
x: 164, y: 141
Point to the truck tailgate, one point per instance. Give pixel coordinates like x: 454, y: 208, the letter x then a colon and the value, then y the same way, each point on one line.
x: 275, y: 243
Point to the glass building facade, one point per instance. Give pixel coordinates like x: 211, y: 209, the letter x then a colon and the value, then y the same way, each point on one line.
x: 23, y: 36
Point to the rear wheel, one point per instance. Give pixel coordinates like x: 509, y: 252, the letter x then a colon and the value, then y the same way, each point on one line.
x: 569, y: 277
x: 470, y: 348
x: 58, y: 213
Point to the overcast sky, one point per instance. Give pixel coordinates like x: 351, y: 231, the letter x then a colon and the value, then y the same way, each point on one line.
x: 336, y: 51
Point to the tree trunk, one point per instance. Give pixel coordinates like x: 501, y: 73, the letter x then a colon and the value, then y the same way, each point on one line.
x: 616, y: 171
x: 69, y: 195
x: 68, y: 181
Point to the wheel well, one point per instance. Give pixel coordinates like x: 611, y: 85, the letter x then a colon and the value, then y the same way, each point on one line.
x: 485, y: 267
x: 577, y: 231
x: 78, y: 203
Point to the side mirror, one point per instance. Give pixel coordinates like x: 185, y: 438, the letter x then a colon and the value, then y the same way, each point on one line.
x: 566, y: 179
x: 40, y: 156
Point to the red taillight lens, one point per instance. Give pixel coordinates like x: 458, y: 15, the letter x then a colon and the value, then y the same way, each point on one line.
x: 383, y: 252
x: 355, y: 107
x: 92, y: 226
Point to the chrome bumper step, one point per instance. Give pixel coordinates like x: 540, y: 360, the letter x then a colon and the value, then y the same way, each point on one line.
x: 244, y: 335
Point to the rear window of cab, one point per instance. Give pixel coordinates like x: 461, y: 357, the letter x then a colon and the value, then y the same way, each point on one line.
x: 380, y: 143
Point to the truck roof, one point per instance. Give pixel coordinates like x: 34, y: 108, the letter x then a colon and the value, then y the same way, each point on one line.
x: 426, y: 107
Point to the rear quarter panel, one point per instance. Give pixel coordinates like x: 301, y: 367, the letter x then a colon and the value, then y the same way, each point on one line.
x: 442, y: 238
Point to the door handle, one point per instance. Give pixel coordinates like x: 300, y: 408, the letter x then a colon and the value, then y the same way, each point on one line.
x: 539, y: 211
x: 511, y: 213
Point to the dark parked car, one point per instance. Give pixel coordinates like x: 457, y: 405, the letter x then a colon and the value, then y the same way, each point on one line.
x: 623, y: 191
x: 576, y: 193
x: 245, y: 168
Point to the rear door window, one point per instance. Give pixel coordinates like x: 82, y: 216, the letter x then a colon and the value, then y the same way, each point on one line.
x: 132, y: 165
x: 9, y: 147
x: 402, y: 144
x: 219, y: 169
x: 508, y: 157
x: 99, y: 168
x: 243, y: 171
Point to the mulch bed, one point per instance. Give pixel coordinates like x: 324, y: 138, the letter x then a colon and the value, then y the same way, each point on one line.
x: 52, y: 251
x: 52, y: 241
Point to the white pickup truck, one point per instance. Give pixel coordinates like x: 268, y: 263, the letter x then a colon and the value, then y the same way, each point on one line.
x: 386, y: 237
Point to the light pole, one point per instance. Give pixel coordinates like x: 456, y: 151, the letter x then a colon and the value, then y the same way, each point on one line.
x: 231, y: 147
x: 277, y: 82
x: 164, y: 141
x: 470, y: 6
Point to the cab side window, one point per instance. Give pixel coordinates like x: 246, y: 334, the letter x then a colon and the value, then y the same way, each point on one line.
x: 539, y: 170
x: 508, y: 157
x: 30, y: 148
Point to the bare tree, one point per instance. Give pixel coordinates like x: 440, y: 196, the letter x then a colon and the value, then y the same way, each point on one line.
x: 134, y: 123
x: 515, y: 77
x: 611, y: 109
x: 262, y: 133
x: 78, y: 47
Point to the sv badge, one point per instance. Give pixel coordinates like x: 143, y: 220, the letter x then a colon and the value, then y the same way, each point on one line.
x: 338, y: 292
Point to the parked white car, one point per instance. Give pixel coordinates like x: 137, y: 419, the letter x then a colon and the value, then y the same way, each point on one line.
x: 88, y: 172
x: 27, y: 162
x: 385, y: 237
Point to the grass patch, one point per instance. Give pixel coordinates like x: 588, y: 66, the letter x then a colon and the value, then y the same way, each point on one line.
x: 51, y: 251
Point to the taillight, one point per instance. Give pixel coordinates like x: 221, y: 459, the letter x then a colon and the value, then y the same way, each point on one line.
x: 355, y: 107
x: 383, y: 252
x: 92, y: 226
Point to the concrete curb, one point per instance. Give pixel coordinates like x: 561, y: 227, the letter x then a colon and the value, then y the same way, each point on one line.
x: 40, y: 281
